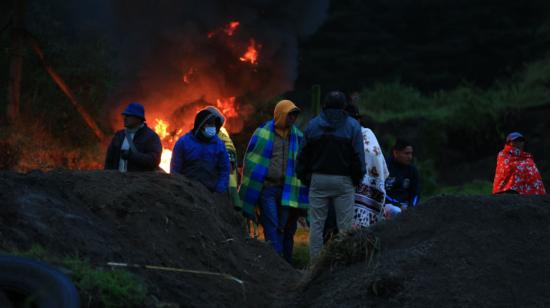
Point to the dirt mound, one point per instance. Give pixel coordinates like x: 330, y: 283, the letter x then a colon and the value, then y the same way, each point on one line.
x: 146, y: 219
x: 489, y: 251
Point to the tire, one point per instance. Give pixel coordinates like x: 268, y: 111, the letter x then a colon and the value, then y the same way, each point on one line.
x: 46, y: 286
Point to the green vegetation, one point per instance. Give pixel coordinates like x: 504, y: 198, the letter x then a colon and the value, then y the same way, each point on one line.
x: 395, y: 101
x: 97, y: 286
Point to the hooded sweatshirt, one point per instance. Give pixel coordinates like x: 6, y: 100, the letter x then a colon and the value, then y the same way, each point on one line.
x: 333, y: 145
x: 277, y: 168
x: 200, y: 158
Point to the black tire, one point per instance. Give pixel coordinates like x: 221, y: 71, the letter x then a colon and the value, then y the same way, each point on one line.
x: 45, y: 285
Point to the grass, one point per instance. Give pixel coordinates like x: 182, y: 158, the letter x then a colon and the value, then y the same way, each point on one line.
x: 97, y: 286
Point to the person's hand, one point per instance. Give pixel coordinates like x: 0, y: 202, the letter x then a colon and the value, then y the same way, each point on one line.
x: 125, y: 154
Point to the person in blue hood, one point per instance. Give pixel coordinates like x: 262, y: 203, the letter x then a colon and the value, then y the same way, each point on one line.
x: 201, y: 155
x: 332, y: 163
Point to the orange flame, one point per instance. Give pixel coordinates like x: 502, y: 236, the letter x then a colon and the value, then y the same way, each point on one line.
x: 167, y: 138
x: 161, y: 128
x: 231, y: 28
x: 251, y: 54
x: 227, y: 106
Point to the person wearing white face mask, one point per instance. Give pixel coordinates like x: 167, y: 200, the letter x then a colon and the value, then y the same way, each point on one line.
x: 201, y: 155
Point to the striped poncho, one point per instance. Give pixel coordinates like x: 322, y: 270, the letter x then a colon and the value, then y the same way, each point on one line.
x: 256, y: 165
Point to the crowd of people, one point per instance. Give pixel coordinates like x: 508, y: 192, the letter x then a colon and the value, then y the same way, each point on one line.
x: 334, y: 172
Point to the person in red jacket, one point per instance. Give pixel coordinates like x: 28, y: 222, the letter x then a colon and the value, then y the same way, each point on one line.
x: 516, y: 170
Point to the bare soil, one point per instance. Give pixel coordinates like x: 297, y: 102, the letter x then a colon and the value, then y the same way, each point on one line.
x: 486, y: 251
x: 479, y: 251
x: 154, y: 219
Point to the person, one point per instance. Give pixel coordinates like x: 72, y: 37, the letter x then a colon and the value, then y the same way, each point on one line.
x: 516, y: 171
x: 269, y: 178
x: 136, y: 147
x: 232, y: 152
x: 371, y: 193
x: 403, y: 183
x: 332, y: 163
x: 201, y: 155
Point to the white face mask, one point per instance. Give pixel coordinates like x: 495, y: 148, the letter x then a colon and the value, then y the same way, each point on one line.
x: 209, y: 131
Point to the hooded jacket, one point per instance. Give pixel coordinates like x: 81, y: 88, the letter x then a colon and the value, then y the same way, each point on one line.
x: 202, y: 159
x: 333, y: 145
x: 258, y: 159
x: 147, y: 156
x: 277, y: 167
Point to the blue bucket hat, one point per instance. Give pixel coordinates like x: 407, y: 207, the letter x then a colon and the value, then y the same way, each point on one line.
x: 514, y: 136
x: 134, y: 110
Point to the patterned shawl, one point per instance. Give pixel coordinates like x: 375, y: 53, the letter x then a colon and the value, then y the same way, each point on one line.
x: 516, y: 171
x: 372, y: 191
x: 256, y: 165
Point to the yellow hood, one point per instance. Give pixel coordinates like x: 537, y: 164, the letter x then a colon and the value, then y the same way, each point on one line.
x: 282, y: 109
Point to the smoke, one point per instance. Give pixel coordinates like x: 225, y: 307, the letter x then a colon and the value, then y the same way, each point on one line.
x: 174, y: 53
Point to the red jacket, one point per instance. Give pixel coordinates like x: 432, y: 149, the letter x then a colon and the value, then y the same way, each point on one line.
x: 516, y: 171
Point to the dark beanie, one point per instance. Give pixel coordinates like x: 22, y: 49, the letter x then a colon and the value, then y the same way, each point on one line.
x: 335, y: 100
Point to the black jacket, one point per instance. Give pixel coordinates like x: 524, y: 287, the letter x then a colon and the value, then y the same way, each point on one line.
x: 403, y: 184
x: 147, y: 158
x: 333, y: 144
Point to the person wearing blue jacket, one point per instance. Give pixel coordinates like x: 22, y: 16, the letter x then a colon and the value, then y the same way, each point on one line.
x: 403, y: 183
x: 332, y: 163
x: 201, y: 155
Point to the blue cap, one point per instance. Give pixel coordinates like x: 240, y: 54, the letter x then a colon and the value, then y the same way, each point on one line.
x: 514, y: 136
x: 134, y: 110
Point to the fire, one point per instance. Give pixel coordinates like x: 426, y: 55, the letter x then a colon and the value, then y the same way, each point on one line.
x: 251, y: 54
x: 161, y: 128
x: 231, y: 28
x: 165, y: 160
x: 227, y: 107
x: 167, y: 138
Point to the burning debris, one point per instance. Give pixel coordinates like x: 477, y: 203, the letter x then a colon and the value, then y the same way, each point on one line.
x: 251, y: 54
x: 194, y: 54
x: 191, y: 54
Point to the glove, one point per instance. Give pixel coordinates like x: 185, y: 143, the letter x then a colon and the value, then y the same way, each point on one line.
x: 125, y: 154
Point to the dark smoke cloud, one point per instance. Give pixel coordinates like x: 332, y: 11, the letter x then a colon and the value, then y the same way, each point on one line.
x: 161, y: 40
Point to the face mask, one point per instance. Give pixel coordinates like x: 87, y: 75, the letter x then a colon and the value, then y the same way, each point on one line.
x: 209, y: 132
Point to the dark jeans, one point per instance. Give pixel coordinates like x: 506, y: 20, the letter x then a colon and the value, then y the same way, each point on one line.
x: 279, y: 222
